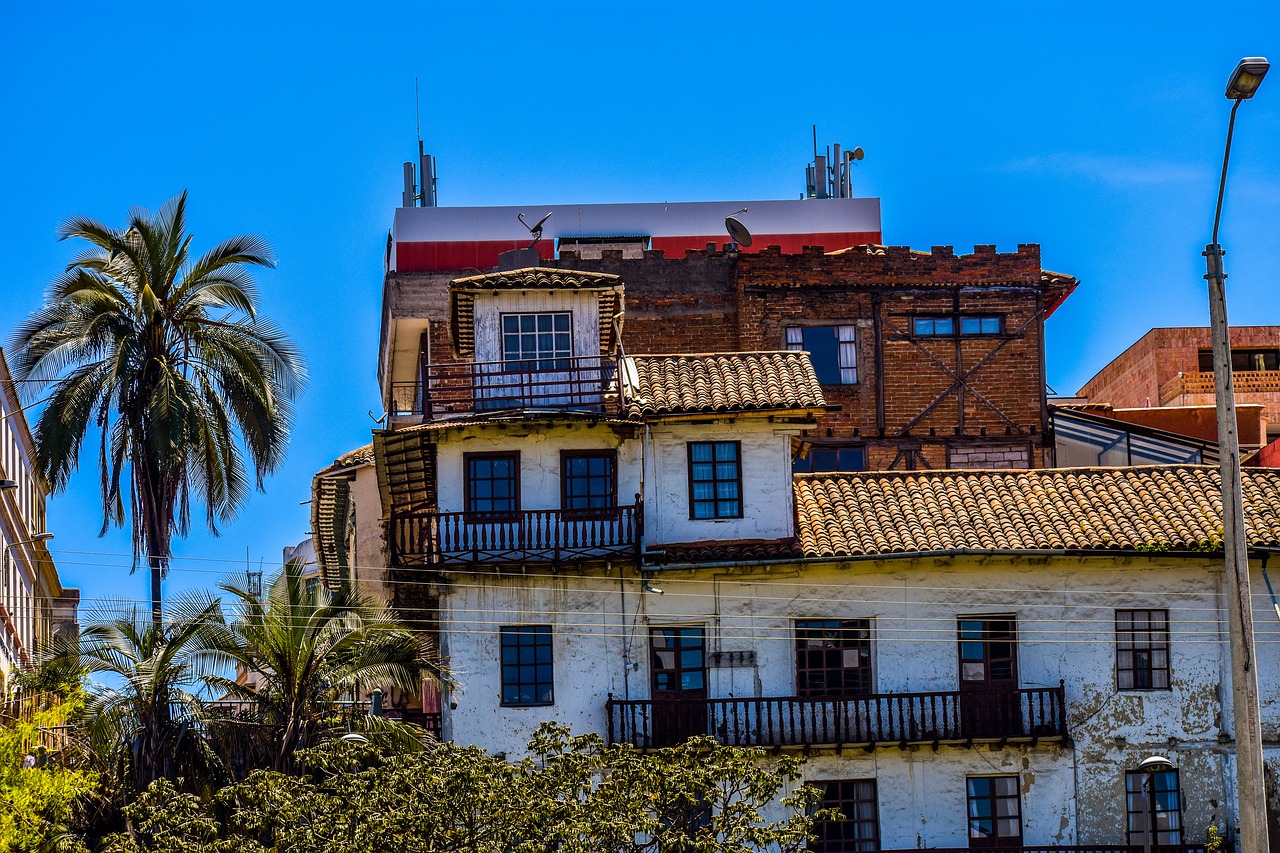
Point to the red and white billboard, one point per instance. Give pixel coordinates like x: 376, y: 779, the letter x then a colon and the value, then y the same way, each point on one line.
x: 457, y: 238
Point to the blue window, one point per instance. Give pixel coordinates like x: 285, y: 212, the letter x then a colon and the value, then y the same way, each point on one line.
x: 946, y: 325
x: 536, y: 341
x: 526, y: 665
x: 493, y: 483
x: 715, y: 479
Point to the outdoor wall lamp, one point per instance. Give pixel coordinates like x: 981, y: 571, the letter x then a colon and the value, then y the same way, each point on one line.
x: 1150, y: 767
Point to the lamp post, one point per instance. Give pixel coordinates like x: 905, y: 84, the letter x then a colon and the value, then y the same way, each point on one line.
x: 1150, y: 767
x: 1251, y: 793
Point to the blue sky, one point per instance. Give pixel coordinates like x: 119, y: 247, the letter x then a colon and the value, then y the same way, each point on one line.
x: 1093, y: 129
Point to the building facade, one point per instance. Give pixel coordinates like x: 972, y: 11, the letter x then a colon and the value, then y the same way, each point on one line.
x: 34, y: 605
x: 619, y: 541
x: 1166, y: 379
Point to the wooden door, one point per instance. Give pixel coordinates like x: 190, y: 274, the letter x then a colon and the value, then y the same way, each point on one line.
x: 989, y: 700
x: 678, y: 663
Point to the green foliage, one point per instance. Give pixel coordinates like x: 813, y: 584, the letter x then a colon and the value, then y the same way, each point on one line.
x: 309, y: 647
x: 37, y: 804
x: 1215, y: 843
x: 57, y: 676
x: 574, y: 795
x: 162, y: 354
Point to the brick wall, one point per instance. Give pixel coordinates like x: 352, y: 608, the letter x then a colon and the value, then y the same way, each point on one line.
x: 713, y: 301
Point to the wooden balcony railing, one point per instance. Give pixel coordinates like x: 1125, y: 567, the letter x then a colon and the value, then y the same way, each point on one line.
x: 1064, y: 848
x: 582, y: 383
x: 534, y: 536
x: 884, y: 719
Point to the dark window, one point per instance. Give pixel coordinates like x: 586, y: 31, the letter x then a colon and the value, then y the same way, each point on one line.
x: 947, y: 325
x: 1142, y: 649
x: 1164, y: 813
x: 832, y: 349
x: 679, y: 662
x: 537, y: 341
x: 995, y: 813
x: 1244, y: 359
x: 833, y: 657
x: 526, y: 665
x: 831, y: 457
x: 493, y: 483
x: 988, y: 654
x: 715, y: 479
x: 860, y: 830
x: 588, y: 480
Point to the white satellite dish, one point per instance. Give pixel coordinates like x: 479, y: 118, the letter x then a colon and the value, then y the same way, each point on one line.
x: 741, y: 236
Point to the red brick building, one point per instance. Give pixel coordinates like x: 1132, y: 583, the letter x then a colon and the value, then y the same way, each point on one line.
x: 935, y: 359
x: 1168, y: 373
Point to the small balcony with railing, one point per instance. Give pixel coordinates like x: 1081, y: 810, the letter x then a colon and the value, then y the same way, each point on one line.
x: 886, y: 719
x: 543, y: 536
x: 584, y: 383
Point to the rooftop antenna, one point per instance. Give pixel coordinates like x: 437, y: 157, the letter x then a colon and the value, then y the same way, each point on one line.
x: 253, y: 580
x: 534, y: 230
x: 738, y: 232
x: 421, y: 193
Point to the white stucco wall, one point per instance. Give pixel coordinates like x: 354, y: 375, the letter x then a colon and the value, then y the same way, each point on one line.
x: 490, y: 306
x: 767, y: 496
x: 1065, y: 610
x: 539, y: 446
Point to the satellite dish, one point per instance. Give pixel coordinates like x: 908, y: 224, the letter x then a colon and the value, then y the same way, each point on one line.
x: 737, y: 230
x: 857, y: 153
x: 535, y: 231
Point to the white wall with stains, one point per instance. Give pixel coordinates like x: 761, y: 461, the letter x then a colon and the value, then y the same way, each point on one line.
x: 1065, y: 610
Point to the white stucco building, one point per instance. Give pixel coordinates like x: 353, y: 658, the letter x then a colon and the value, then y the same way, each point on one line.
x: 33, y: 603
x: 616, y: 541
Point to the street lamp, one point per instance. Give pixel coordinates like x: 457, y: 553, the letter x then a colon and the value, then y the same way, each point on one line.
x: 1150, y: 767
x: 1244, y: 677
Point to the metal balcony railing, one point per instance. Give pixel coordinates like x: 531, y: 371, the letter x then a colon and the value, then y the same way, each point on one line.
x: 582, y: 383
x: 876, y: 719
x: 1062, y: 848
x: 534, y: 536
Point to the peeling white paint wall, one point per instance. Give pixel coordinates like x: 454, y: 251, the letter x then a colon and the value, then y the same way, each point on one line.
x: 1065, y: 611
x: 489, y: 308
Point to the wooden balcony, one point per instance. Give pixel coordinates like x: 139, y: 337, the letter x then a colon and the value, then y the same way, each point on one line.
x: 581, y: 384
x: 1063, y: 848
x: 885, y: 719
x: 441, y: 539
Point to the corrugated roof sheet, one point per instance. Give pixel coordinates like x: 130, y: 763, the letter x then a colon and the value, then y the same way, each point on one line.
x: 1173, y: 508
x: 721, y: 383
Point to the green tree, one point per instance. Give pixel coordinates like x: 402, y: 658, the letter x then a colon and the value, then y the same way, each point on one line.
x: 573, y: 796
x: 149, y: 727
x: 165, y: 356
x: 308, y: 646
x: 38, y: 804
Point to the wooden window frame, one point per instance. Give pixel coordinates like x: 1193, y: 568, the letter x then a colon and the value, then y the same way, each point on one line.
x: 474, y: 515
x: 957, y: 320
x: 539, y: 363
x: 839, y: 330
x: 714, y: 501
x: 996, y: 842
x: 986, y: 619
x: 1135, y: 836
x: 819, y: 444
x: 853, y: 792
x: 817, y: 625
x: 1153, y: 645
x: 537, y: 632
x: 588, y: 512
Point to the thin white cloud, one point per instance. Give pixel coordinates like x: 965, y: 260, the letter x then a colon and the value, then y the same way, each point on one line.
x: 1109, y: 169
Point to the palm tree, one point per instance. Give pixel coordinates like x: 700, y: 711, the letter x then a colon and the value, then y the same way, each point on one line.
x: 308, y: 646
x: 165, y: 356
x: 149, y: 725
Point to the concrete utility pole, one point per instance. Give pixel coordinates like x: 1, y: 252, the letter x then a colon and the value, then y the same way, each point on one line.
x: 1251, y: 790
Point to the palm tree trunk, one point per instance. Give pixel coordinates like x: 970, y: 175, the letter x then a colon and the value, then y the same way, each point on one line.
x: 157, y: 573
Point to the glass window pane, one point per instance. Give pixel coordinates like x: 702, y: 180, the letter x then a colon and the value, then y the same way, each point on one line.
x: 923, y: 326
x: 970, y: 325
x: 943, y: 326
x: 990, y: 325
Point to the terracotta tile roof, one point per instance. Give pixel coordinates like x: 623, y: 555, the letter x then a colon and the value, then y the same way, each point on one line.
x: 715, y: 552
x: 721, y: 383
x: 1158, y: 508
x: 608, y: 288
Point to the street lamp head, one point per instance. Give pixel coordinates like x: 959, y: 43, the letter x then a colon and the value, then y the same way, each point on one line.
x: 1155, y: 764
x: 42, y: 537
x: 1247, y: 77
x: 8, y: 485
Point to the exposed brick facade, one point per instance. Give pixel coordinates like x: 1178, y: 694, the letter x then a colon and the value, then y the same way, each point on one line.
x: 920, y: 402
x: 1162, y: 369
